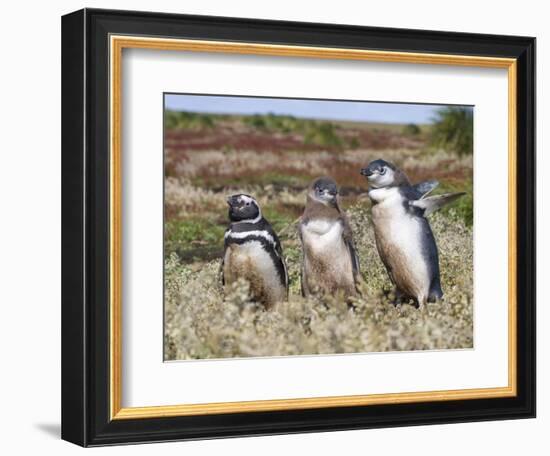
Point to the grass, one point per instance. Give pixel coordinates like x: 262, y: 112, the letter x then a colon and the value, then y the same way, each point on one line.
x: 463, y: 208
x: 193, y: 239
x: 279, y: 217
x: 203, y: 322
x: 269, y: 177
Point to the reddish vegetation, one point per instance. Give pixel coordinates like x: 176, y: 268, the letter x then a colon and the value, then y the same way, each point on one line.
x: 181, y: 145
x: 205, y: 164
x: 286, y: 159
x: 239, y: 137
x: 443, y: 173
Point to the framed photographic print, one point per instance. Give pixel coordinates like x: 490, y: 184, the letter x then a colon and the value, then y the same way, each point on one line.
x: 277, y: 227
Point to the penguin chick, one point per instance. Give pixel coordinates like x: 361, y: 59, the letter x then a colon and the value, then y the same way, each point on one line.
x: 404, y: 238
x: 252, y: 251
x: 329, y: 261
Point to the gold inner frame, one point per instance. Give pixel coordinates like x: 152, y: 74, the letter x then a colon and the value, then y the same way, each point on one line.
x: 117, y: 44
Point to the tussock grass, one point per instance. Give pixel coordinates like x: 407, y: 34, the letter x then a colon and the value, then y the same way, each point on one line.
x: 204, y: 322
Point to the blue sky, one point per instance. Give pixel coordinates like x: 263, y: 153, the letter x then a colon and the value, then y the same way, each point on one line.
x: 311, y: 109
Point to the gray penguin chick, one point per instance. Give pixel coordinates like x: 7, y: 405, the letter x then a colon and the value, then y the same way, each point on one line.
x: 404, y: 238
x: 329, y: 261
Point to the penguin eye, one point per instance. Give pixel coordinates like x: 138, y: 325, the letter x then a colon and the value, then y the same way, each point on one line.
x: 383, y: 171
x: 247, y: 203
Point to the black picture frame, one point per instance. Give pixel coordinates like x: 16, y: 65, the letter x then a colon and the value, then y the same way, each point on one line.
x: 85, y: 228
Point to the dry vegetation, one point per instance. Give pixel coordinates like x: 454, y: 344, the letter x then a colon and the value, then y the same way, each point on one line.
x: 208, y: 159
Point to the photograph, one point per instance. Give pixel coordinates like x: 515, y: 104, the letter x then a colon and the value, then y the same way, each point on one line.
x: 305, y: 227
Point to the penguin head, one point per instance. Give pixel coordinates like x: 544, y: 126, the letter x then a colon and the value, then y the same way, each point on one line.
x: 324, y: 190
x: 243, y: 208
x: 380, y: 173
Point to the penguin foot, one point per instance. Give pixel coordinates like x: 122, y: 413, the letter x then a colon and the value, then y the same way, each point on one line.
x: 398, y: 298
x: 352, y: 307
x: 434, y: 297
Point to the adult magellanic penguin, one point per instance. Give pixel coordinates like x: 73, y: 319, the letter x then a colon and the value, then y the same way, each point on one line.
x: 403, y: 235
x: 252, y: 251
x: 329, y: 262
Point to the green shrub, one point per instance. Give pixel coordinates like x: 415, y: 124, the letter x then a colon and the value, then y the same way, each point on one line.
x: 189, y: 120
x: 453, y: 130
x: 255, y: 121
x: 354, y: 143
x: 411, y: 129
x: 323, y: 134
x: 314, y: 132
x: 463, y: 208
x: 274, y: 123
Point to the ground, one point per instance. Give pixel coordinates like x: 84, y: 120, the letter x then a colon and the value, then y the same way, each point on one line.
x: 274, y: 160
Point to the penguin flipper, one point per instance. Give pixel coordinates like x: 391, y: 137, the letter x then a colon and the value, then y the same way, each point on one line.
x: 433, y: 203
x: 303, y: 282
x: 303, y: 287
x: 348, y: 240
x: 221, y: 276
x: 283, y: 269
x: 354, y: 257
x: 220, y: 272
x: 281, y: 266
x: 426, y: 187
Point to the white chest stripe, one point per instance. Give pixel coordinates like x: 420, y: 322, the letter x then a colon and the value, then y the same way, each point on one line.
x: 252, y: 221
x: 245, y: 234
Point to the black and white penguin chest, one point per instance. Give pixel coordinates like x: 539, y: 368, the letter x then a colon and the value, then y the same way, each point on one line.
x: 253, y: 255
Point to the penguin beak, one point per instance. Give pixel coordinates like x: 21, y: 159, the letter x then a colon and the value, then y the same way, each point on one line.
x: 330, y: 194
x: 366, y: 172
x: 229, y: 200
